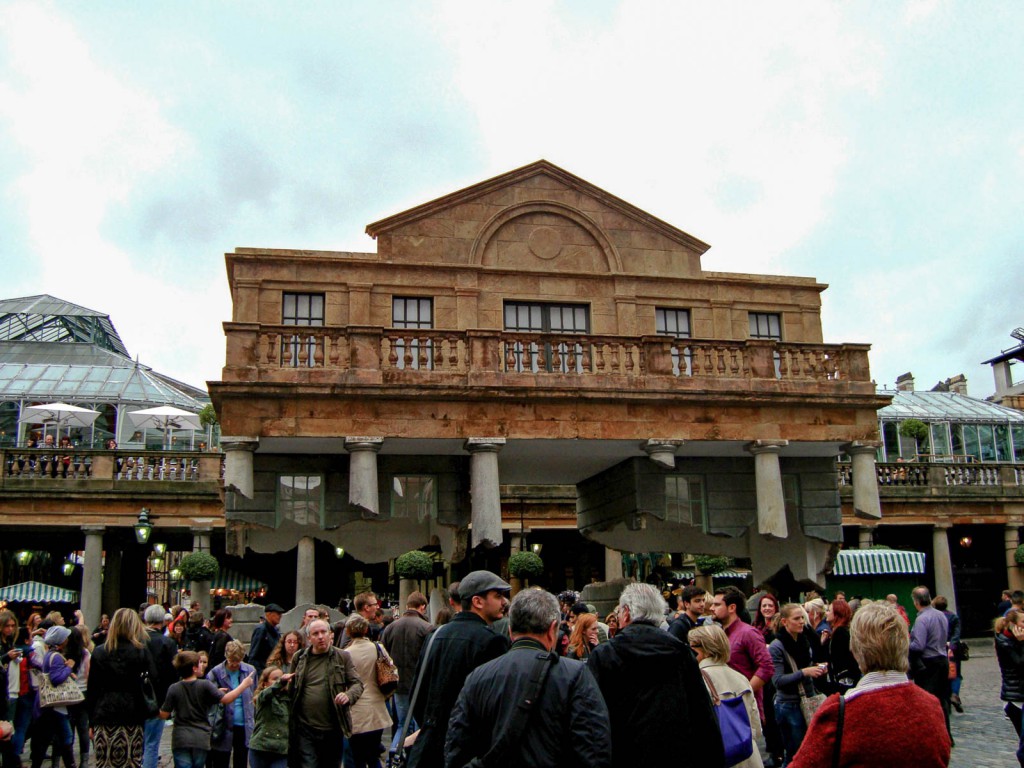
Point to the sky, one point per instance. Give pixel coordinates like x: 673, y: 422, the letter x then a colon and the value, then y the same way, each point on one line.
x: 875, y: 146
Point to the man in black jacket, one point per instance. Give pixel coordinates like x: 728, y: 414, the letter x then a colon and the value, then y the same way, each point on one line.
x: 692, y: 598
x: 404, y: 640
x: 459, y: 647
x: 265, y: 638
x: 567, y: 722
x: 163, y: 651
x: 649, y: 678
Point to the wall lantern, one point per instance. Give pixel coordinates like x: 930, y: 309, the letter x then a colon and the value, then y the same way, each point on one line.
x: 966, y: 542
x: 175, y: 574
x: 157, y: 563
x: 160, y: 548
x: 68, y: 568
x: 24, y: 557
x: 537, y: 548
x: 339, y: 552
x: 143, y: 528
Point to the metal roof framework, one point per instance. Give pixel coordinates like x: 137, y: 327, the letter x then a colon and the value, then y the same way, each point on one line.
x: 947, y: 406
x: 46, y: 318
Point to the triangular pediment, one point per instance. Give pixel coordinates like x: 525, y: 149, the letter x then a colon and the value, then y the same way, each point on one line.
x: 525, y: 176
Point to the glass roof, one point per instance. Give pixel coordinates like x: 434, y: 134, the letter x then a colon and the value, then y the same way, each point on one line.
x: 947, y: 406
x: 49, y: 319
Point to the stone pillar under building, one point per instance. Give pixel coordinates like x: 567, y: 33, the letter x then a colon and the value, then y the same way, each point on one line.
x: 362, y: 474
x: 200, y: 590
x: 865, y: 536
x: 1014, y: 577
x: 484, y: 490
x: 305, y: 571
x: 92, y: 575
x: 662, y: 452
x: 238, y: 453
x: 515, y: 542
x: 943, y: 565
x: 112, y: 580
x: 865, y: 479
x: 612, y: 564
x: 771, y: 502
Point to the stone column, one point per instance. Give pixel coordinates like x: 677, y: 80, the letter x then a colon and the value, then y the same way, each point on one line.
x: 943, y: 564
x: 612, y: 564
x: 484, y: 489
x: 662, y: 452
x: 865, y: 480
x: 362, y: 474
x: 515, y: 542
x: 92, y: 577
x: 771, y: 502
x: 1014, y: 577
x: 865, y: 536
x: 112, y: 579
x: 200, y: 590
x: 305, y: 572
x: 238, y: 453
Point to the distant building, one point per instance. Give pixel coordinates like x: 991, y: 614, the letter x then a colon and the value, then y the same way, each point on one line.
x: 1009, y: 392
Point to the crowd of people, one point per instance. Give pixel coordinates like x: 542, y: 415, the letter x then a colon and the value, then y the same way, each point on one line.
x: 540, y: 681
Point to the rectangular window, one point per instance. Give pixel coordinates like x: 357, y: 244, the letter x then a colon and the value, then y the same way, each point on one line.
x: 971, y: 445
x: 1017, y: 433
x: 891, y: 440
x: 306, y: 309
x: 684, y: 500
x: 676, y: 323
x: 791, y: 495
x: 417, y: 313
x: 560, y: 357
x: 414, y: 497
x: 300, y: 499
x: 986, y: 437
x: 940, y: 440
x: 765, y: 325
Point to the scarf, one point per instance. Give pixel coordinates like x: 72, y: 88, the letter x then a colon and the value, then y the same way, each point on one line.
x: 798, y: 648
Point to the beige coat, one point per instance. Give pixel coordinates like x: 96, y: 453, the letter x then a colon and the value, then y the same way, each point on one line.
x: 370, y: 713
x: 729, y: 683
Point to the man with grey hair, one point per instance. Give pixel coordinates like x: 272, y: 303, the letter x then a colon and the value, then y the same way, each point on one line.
x: 650, y: 678
x: 568, y: 718
x: 163, y: 650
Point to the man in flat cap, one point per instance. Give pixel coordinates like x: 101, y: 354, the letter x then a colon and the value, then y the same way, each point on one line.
x: 265, y: 638
x: 457, y: 648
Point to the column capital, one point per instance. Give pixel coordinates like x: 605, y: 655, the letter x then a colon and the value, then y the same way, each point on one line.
x: 353, y: 444
x: 662, y: 452
x: 766, y: 446
x: 234, y: 443
x: 93, y: 529
x: 861, y: 446
x: 942, y: 525
x: 201, y: 530
x: 484, y: 444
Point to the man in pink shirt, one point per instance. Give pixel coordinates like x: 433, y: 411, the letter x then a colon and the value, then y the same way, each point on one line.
x: 748, y: 653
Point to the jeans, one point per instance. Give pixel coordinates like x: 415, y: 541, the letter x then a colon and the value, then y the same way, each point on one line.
x: 79, y: 718
x: 259, y: 758
x: 317, y: 749
x: 189, y: 758
x: 238, y: 756
x: 366, y: 748
x: 152, y: 732
x: 790, y: 719
x: 22, y: 720
x: 402, y: 705
x: 52, y: 727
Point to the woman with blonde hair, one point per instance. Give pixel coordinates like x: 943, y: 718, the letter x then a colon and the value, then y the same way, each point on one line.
x: 583, y: 638
x: 370, y: 713
x: 114, y: 698
x: 711, y: 645
x: 794, y: 676
x: 1010, y: 655
x: 239, y: 715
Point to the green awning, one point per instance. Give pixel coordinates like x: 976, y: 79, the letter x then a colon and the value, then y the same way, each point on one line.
x: 35, y: 592
x: 873, y: 562
x: 233, y: 580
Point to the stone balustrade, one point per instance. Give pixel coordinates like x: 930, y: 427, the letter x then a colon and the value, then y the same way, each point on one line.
x: 274, y: 348
x: 119, y: 466
x: 940, y: 475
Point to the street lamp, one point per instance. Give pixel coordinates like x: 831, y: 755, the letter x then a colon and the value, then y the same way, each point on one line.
x: 339, y: 552
x: 160, y: 549
x: 24, y: 557
x: 143, y: 528
x: 68, y: 567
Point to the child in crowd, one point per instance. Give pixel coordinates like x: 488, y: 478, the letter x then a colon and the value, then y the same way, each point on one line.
x: 189, y: 701
x: 268, y: 747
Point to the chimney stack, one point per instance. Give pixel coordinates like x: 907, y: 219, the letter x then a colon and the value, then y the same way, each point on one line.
x: 905, y: 383
x: 958, y: 384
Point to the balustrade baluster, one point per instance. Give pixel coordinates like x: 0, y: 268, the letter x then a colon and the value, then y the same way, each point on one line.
x: 424, y: 356
x: 318, y: 350
x: 542, y: 362
x: 599, y: 362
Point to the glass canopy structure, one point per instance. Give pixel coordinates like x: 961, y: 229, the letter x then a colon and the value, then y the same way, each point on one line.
x: 960, y: 429
x: 55, y: 351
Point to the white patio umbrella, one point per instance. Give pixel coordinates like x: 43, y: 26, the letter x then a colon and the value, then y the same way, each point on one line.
x: 58, y: 414
x: 165, y: 417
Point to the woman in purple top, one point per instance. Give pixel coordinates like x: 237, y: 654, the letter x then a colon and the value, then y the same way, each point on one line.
x: 52, y: 724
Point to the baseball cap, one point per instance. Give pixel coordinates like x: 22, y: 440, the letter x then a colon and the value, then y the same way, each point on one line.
x: 481, y: 582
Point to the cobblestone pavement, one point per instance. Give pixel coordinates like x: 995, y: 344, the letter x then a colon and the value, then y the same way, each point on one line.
x: 984, y: 737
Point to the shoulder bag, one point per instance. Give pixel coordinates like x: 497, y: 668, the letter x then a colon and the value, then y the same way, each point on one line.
x: 387, y: 673
x: 734, y: 724
x: 838, y: 746
x: 61, y: 695
x: 809, y: 702
x: 398, y: 758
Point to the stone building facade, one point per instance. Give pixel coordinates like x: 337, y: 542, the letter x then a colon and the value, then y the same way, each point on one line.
x: 534, y: 330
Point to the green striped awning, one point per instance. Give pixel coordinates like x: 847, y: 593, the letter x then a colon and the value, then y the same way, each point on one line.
x: 229, y: 579
x: 873, y: 562
x: 35, y: 592
x: 687, y: 575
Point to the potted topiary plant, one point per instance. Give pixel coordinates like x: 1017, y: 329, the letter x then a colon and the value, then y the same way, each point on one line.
x: 916, y: 430
x: 709, y: 565
x: 524, y: 565
x: 199, y: 568
x: 1018, y: 555
x: 409, y: 568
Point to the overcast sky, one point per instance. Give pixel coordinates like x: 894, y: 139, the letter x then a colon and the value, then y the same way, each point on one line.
x: 876, y: 146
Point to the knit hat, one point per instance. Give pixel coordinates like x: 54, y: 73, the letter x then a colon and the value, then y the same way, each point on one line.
x: 56, y: 636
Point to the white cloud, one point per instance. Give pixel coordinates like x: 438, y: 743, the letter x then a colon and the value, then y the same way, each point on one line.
x: 719, y: 120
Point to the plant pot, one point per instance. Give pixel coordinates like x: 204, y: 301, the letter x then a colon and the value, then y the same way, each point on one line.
x: 516, y: 584
x: 405, y: 588
x: 200, y: 591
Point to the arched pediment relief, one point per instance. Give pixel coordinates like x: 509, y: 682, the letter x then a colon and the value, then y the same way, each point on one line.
x: 545, y: 236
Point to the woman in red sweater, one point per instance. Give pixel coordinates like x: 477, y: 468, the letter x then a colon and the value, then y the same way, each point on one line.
x: 883, y: 699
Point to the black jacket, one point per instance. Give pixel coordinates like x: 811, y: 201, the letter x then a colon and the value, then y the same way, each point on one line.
x: 567, y: 726
x: 459, y: 647
x: 163, y: 650
x: 264, y: 639
x: 651, y: 681
x: 680, y: 628
x: 114, y: 695
x: 1010, y: 654
x: 404, y: 640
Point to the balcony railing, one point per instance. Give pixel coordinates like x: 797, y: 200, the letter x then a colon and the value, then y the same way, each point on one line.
x: 273, y: 348
x: 913, y: 474
x: 117, y: 466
